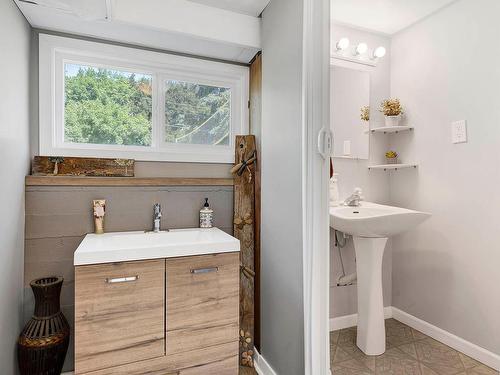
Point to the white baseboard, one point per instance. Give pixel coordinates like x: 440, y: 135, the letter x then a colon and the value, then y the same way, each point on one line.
x: 472, y: 350
x: 261, y: 365
x: 348, y: 321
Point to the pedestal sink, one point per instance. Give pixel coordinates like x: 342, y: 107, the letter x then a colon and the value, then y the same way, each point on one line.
x: 371, y: 225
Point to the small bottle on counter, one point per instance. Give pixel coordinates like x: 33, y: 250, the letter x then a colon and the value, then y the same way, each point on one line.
x: 334, y: 191
x: 206, y: 216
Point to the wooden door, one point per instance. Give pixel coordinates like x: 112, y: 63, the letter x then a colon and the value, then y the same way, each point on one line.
x: 119, y: 314
x: 202, y: 308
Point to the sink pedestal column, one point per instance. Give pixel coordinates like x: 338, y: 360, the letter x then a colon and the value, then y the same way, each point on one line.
x: 371, y: 325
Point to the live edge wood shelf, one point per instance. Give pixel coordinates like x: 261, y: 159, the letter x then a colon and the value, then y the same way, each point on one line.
x: 125, y: 181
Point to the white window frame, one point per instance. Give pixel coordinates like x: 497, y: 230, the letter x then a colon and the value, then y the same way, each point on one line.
x: 55, y: 51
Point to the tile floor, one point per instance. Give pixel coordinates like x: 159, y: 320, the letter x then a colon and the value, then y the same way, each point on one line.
x: 409, y: 352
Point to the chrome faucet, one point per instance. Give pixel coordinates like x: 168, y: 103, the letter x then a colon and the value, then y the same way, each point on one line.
x: 354, y: 199
x: 156, y: 217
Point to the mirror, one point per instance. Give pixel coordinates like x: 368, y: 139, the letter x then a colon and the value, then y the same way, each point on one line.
x: 350, y: 93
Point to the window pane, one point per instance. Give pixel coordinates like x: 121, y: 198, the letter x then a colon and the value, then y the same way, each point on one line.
x: 104, y: 106
x: 197, y: 114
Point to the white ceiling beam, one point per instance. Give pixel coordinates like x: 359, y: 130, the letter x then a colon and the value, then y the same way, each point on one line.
x: 250, y: 7
x: 188, y: 18
x: 177, y: 26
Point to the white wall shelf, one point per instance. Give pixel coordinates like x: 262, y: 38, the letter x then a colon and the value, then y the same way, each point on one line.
x: 392, y: 167
x: 391, y: 129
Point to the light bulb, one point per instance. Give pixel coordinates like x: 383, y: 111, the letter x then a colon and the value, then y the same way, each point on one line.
x: 361, y: 48
x: 342, y: 44
x: 379, y: 52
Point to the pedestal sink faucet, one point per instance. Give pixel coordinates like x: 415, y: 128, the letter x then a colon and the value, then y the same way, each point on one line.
x: 156, y: 217
x: 354, y: 199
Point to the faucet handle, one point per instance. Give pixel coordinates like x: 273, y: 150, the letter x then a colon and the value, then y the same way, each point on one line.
x: 359, y: 193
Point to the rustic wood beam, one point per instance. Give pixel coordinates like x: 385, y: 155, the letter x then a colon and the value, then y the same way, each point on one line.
x: 244, y: 230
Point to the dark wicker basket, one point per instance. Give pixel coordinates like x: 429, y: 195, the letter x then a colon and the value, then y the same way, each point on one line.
x: 43, y: 343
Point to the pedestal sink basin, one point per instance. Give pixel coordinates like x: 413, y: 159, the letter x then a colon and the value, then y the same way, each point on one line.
x: 371, y: 225
x: 374, y: 220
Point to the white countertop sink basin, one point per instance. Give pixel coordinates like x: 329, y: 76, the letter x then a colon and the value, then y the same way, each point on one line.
x: 374, y: 220
x: 131, y: 246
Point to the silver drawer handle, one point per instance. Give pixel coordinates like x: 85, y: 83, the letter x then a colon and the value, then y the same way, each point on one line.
x: 205, y: 270
x: 122, y: 279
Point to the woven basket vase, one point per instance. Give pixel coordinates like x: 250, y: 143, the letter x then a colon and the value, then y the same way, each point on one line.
x: 43, y: 343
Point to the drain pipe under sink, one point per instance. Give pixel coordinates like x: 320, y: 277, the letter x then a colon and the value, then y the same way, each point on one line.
x: 347, y: 280
x: 343, y: 280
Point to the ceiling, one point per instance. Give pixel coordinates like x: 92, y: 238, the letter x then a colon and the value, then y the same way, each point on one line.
x: 250, y: 7
x: 87, y: 10
x: 384, y: 16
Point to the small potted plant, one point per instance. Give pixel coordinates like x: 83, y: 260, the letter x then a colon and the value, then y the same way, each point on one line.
x: 365, y: 114
x: 392, y: 110
x: 392, y: 157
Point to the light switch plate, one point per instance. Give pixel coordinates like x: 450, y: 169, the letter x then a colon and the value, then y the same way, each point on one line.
x: 459, y: 131
x: 347, y: 148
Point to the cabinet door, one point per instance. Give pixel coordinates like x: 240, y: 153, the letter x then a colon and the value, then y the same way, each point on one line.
x: 202, y: 307
x: 119, y: 314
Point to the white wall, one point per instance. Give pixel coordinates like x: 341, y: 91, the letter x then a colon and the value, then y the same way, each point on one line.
x: 282, y: 315
x: 446, y: 272
x: 354, y: 173
x: 14, y: 153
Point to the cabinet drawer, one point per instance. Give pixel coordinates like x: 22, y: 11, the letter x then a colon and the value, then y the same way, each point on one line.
x: 202, y: 302
x: 228, y: 366
x: 119, y: 314
x: 215, y: 359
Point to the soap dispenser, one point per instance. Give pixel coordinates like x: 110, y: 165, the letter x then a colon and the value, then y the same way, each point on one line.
x: 334, y: 190
x: 206, y: 216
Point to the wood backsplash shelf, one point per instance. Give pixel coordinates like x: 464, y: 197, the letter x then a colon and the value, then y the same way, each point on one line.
x: 125, y: 181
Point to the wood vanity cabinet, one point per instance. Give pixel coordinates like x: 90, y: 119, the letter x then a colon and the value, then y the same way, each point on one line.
x: 167, y: 316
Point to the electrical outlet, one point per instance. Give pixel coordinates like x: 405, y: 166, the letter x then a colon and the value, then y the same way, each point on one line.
x: 459, y: 131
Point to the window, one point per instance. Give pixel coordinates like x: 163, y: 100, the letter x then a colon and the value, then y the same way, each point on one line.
x: 99, y: 100
x: 197, y: 114
x: 107, y: 107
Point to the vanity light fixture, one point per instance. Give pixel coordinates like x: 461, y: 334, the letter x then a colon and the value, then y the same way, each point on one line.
x: 361, y: 49
x: 379, y: 52
x: 342, y: 44
x: 359, y: 53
